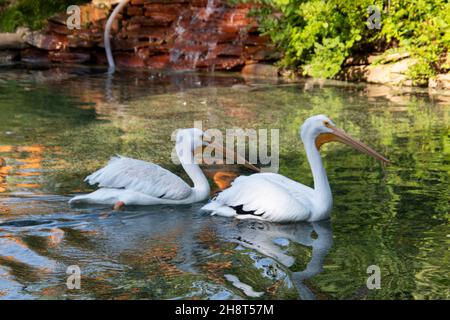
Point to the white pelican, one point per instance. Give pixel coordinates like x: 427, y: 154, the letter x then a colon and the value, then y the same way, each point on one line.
x: 273, y: 197
x: 126, y: 181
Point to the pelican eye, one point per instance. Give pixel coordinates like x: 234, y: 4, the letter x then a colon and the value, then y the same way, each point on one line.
x: 326, y: 123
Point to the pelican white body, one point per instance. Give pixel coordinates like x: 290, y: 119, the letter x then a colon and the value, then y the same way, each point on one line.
x: 273, y: 197
x: 136, y: 182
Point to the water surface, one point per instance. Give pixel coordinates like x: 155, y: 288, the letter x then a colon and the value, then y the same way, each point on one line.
x: 58, y: 125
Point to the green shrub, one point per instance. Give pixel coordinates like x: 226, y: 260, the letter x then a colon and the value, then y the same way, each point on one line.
x: 30, y: 13
x: 316, y: 36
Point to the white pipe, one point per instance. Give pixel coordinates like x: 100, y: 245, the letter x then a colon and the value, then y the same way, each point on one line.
x: 112, y: 17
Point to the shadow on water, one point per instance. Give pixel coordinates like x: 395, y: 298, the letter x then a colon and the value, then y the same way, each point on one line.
x: 58, y: 125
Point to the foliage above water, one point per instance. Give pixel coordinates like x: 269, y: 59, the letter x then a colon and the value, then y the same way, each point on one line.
x: 30, y: 13
x: 317, y: 36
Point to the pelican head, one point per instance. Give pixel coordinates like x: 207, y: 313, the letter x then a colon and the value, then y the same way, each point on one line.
x: 191, y: 139
x: 321, y: 130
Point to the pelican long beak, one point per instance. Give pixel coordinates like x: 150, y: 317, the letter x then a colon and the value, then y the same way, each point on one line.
x: 340, y: 136
x: 236, y: 155
x: 239, y: 158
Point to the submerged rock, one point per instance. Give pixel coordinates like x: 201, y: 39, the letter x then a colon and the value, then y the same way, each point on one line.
x: 8, y: 56
x: 69, y: 57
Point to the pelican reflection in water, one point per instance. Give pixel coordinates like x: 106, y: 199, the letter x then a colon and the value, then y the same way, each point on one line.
x: 269, y: 240
x: 272, y: 240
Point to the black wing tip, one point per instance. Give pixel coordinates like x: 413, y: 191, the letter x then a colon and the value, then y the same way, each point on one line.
x: 240, y: 211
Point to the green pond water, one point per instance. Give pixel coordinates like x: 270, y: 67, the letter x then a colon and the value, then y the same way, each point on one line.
x: 58, y: 125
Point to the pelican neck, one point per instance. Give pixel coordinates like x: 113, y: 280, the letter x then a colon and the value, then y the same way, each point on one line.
x: 201, y: 185
x: 321, y: 184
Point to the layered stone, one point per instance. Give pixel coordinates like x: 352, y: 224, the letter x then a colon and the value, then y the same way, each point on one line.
x: 156, y: 34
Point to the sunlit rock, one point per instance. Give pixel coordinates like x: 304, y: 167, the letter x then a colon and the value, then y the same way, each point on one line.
x: 13, y: 40
x: 46, y: 41
x: 441, y: 81
x: 260, y: 70
x: 391, y: 73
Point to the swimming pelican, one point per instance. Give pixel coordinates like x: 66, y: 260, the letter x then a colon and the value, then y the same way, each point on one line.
x: 273, y: 197
x: 126, y: 181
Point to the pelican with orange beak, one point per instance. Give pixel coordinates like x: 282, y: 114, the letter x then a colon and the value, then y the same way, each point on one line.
x: 275, y: 198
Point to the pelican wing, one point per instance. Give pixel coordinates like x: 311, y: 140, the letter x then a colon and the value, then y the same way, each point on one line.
x: 259, y: 196
x: 140, y: 176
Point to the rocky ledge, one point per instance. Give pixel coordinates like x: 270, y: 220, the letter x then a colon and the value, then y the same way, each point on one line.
x: 390, y: 69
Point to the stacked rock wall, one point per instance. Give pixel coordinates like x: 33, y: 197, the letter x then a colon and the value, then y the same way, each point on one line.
x: 158, y: 34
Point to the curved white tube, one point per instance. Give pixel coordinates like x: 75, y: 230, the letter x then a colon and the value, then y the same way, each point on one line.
x: 107, y: 40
